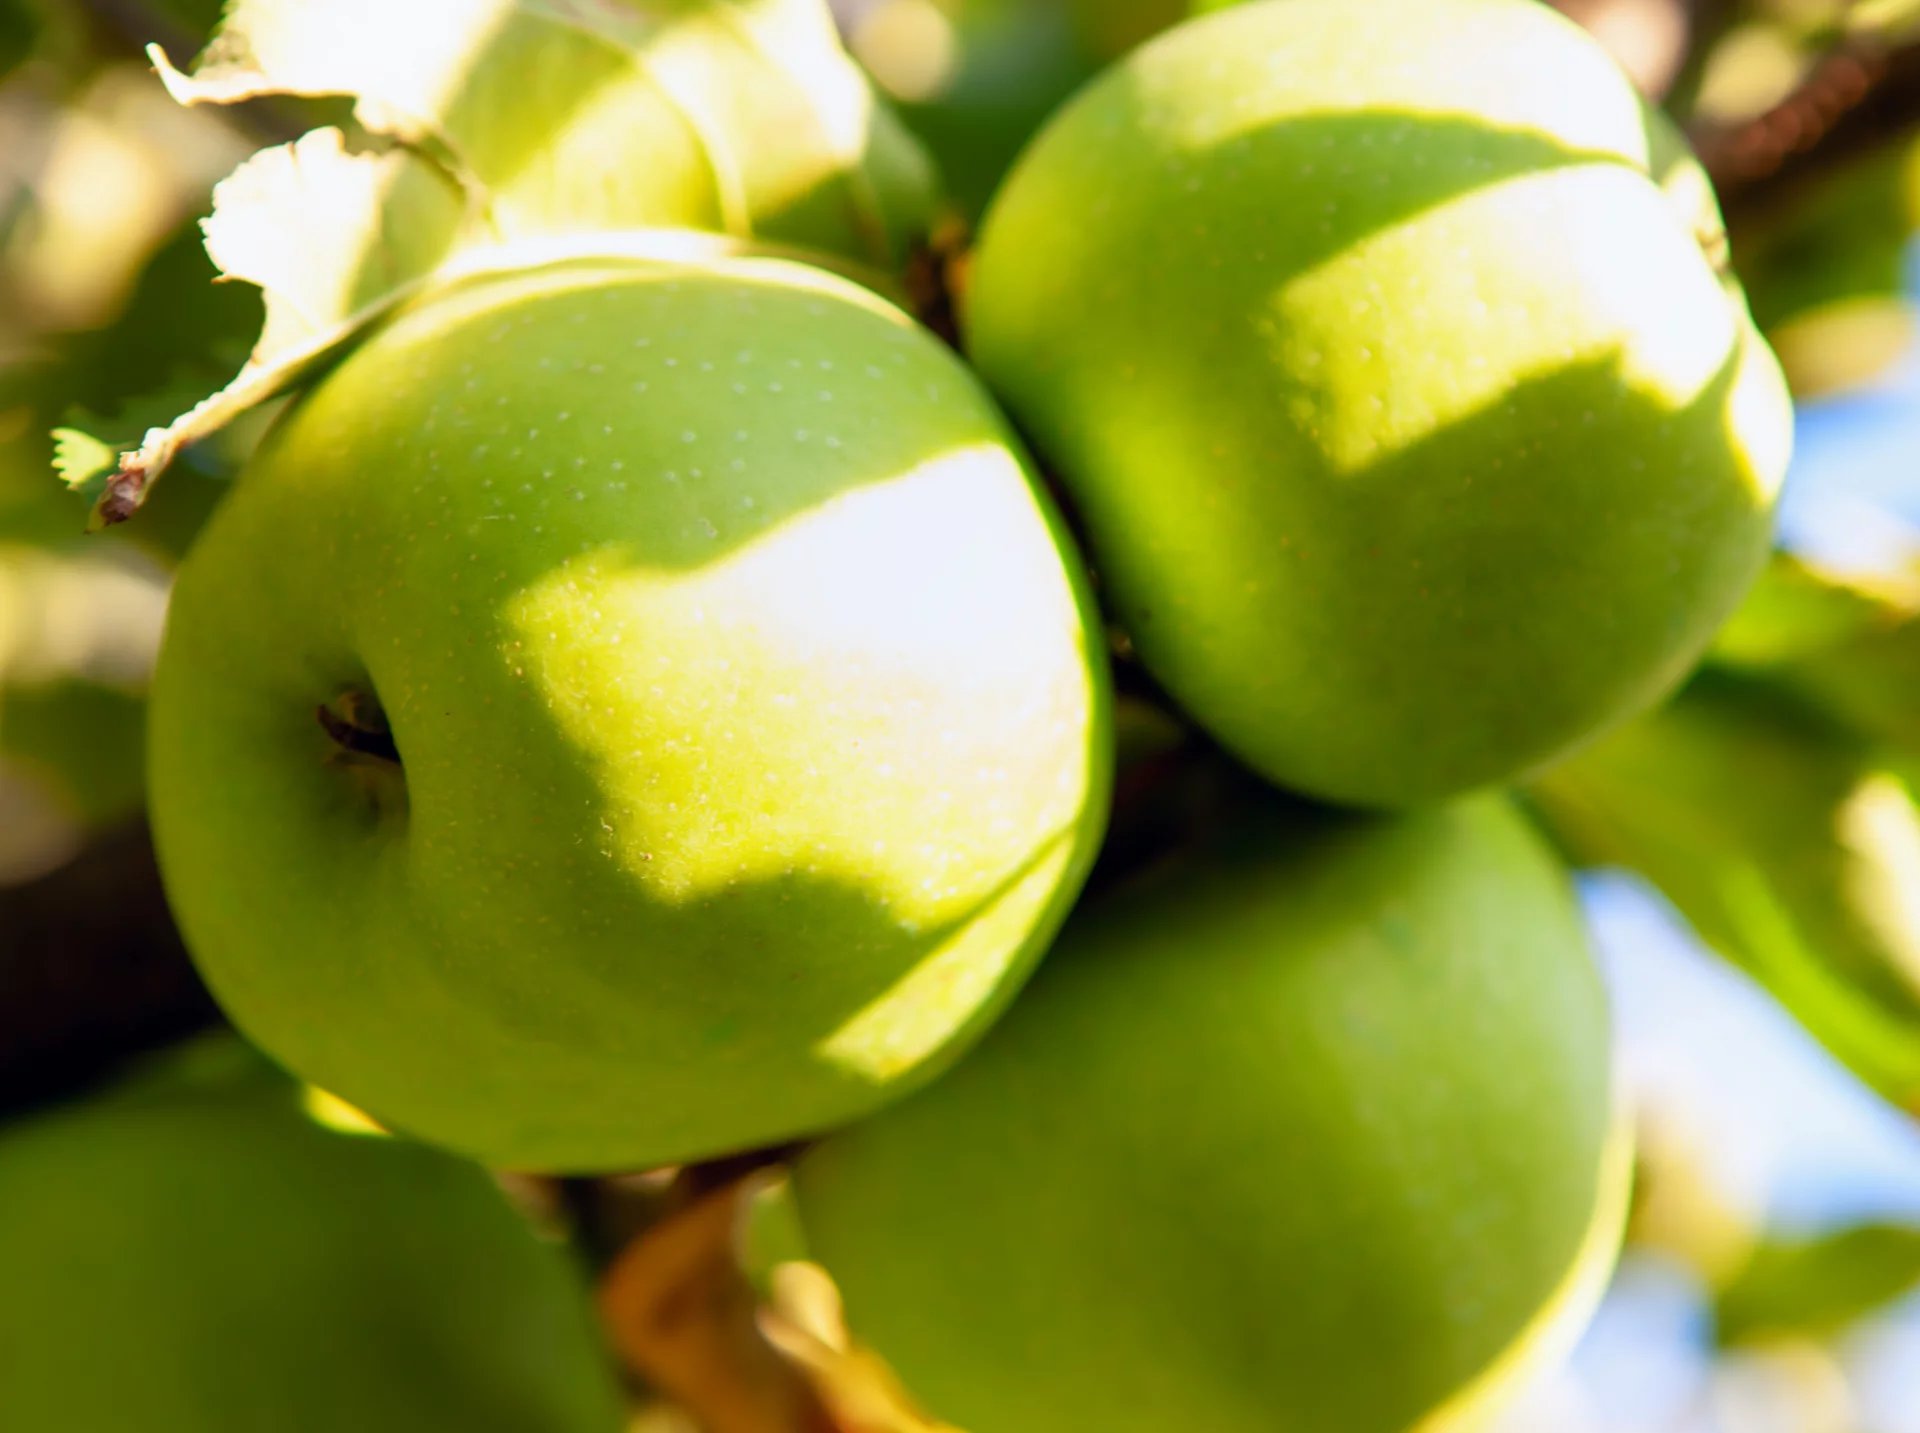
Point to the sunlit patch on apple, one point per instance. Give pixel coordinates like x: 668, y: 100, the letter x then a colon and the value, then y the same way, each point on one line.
x: 918, y: 1014
x: 1445, y: 441
x: 870, y: 689
x: 698, y: 757
x: 1757, y: 423
x: 1657, y: 319
x: 1562, y: 1317
x: 336, y: 1114
x: 1490, y: 78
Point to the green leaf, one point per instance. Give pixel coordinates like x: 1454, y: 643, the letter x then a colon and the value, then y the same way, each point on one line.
x: 91, y: 451
x: 329, y: 234
x: 505, y: 133
x: 1826, y: 275
x: 1890, y: 22
x: 1791, y: 845
x: 1819, y: 1287
x: 1846, y: 643
x: 1799, y: 609
x: 742, y: 116
x: 90, y: 614
x: 83, y: 460
x: 20, y: 22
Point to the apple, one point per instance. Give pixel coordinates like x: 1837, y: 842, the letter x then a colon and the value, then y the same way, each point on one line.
x: 189, y: 1252
x: 629, y: 713
x: 1304, y: 1131
x: 1415, y: 432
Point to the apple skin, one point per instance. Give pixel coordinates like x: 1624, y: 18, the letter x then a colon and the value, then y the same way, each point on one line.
x: 1307, y: 1133
x: 189, y: 1252
x: 1414, y: 433
x: 751, y: 710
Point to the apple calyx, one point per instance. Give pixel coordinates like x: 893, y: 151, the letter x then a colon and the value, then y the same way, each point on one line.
x: 359, y: 727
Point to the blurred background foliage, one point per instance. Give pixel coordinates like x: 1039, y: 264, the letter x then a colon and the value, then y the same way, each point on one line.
x: 1754, y: 848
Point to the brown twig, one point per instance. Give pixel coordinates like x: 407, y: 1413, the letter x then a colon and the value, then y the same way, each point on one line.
x: 935, y: 278
x: 683, y: 1317
x: 1855, y: 99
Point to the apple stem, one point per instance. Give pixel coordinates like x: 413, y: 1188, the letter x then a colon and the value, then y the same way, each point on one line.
x: 682, y: 1315
x: 934, y: 277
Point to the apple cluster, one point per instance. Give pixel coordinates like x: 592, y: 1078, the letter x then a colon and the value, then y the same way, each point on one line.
x: 635, y: 712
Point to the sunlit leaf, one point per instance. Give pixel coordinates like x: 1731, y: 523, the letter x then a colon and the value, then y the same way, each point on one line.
x: 510, y: 132
x: 1848, y: 644
x: 1790, y: 845
x: 1800, y: 608
x: 1820, y: 1286
x: 555, y: 115
x: 91, y: 449
x: 83, y: 460
x: 1888, y: 21
x: 19, y: 25
x: 1827, y: 274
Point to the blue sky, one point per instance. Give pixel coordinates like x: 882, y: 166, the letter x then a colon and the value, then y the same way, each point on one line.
x: 1775, y: 1123
x: 1827, y: 1151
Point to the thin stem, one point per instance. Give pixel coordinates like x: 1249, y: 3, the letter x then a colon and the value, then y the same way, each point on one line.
x: 685, y: 1320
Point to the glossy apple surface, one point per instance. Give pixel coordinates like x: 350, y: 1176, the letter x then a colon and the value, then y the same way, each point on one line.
x: 750, y: 718
x: 1304, y: 1133
x: 1416, y: 434
x: 190, y: 1252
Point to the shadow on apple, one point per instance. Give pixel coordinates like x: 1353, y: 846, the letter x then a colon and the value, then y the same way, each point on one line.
x: 749, y: 712
x: 1412, y: 449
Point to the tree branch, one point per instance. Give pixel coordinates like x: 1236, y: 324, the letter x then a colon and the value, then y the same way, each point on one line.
x: 1859, y: 97
x: 683, y: 1317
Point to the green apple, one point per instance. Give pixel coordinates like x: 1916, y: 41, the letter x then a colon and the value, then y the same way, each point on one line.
x: 1110, y: 28
x: 1304, y: 1132
x: 1415, y: 432
x: 190, y: 1252
x: 715, y: 720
